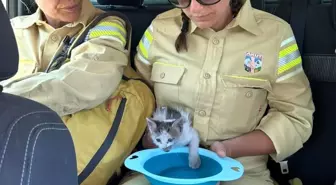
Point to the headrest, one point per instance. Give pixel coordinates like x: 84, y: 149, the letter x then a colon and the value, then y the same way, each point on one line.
x: 135, y: 3
x: 9, y: 55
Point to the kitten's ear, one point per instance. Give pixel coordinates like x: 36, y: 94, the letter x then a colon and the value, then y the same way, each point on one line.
x: 178, y: 123
x: 151, y: 124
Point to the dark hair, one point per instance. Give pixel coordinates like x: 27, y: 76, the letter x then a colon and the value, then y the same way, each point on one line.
x: 181, y: 41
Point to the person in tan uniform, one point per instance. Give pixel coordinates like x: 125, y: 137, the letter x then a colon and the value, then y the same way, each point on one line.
x: 226, y: 62
x: 87, y: 88
x: 95, y: 68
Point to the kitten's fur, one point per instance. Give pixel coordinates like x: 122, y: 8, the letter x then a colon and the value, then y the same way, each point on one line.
x: 171, y: 127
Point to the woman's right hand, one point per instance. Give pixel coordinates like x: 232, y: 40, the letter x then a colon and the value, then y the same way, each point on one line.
x: 220, y: 148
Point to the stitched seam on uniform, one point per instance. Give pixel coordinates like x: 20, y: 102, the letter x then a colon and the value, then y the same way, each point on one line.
x: 33, y: 151
x: 27, y: 144
x: 271, y: 18
x: 10, y: 133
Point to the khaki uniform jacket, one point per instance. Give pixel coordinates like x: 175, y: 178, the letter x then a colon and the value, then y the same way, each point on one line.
x: 93, y: 73
x: 228, y: 78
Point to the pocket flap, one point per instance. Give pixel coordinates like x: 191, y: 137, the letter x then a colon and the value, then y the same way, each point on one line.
x: 167, y: 73
x: 246, y: 82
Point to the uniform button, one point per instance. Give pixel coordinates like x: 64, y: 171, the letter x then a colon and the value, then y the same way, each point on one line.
x: 215, y: 41
x: 335, y: 51
x: 162, y: 75
x: 249, y: 94
x: 54, y: 38
x: 202, y: 113
x: 206, y: 75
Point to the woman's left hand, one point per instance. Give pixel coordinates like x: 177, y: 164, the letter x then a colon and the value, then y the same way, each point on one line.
x: 220, y: 148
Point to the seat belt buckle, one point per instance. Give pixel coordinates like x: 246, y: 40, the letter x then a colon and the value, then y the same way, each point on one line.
x: 284, y: 167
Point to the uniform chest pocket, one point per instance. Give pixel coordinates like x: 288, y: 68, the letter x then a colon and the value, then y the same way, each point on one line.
x: 243, y: 102
x: 167, y: 78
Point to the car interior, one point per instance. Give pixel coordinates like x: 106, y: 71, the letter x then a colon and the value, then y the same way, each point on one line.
x: 314, y: 26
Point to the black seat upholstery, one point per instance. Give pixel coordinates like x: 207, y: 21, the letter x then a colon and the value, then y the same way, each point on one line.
x: 9, y: 51
x: 315, y: 163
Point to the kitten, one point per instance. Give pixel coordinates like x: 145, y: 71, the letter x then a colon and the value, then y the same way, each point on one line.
x: 170, y: 128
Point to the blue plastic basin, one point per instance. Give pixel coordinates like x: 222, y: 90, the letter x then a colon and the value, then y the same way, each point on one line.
x: 171, y: 168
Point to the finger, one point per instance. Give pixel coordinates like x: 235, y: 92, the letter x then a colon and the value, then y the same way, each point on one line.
x: 221, y: 153
x: 220, y: 150
x: 218, y: 147
x: 214, y: 146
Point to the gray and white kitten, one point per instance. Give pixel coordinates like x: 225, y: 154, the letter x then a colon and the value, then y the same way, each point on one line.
x: 170, y: 128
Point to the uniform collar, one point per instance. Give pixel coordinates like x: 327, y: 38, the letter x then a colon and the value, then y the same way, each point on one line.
x: 87, y: 14
x: 245, y: 19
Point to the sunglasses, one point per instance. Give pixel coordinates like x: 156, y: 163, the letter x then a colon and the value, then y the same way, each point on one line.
x: 186, y: 3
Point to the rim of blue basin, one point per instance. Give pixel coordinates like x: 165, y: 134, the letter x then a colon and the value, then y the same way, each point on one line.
x: 137, y: 160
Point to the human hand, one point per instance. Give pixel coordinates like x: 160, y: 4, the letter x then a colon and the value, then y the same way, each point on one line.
x: 220, y: 148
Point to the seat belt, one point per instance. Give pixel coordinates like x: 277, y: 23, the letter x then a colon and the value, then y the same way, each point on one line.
x: 298, y: 21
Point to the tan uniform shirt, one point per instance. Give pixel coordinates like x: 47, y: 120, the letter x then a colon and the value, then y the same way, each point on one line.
x: 228, y: 78
x: 93, y: 73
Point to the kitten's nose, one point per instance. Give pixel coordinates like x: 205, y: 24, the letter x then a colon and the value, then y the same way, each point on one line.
x: 167, y: 149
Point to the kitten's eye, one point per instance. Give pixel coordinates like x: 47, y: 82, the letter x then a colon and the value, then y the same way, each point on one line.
x: 170, y: 140
x: 158, y: 140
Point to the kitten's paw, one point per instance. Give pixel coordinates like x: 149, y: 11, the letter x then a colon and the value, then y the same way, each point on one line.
x: 194, y: 162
